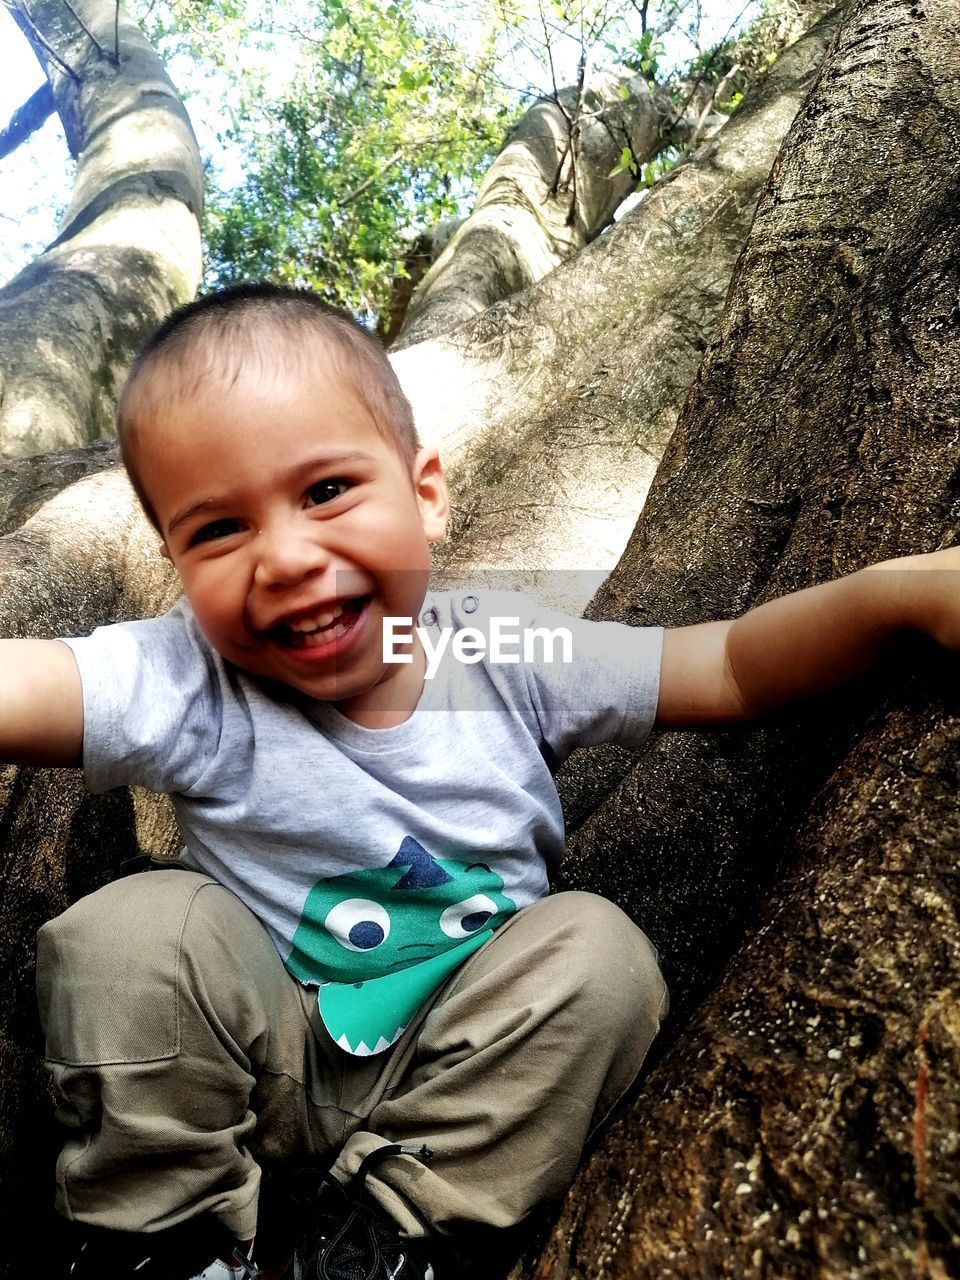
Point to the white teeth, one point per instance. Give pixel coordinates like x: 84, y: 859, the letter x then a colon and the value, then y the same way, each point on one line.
x: 323, y: 619
x: 324, y: 627
x: 313, y: 638
x: 362, y: 1051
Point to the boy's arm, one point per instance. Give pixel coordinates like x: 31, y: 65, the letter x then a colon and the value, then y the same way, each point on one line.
x: 41, y: 703
x: 806, y: 643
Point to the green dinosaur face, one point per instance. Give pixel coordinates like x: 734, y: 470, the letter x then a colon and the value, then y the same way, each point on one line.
x: 380, y: 940
x: 370, y: 923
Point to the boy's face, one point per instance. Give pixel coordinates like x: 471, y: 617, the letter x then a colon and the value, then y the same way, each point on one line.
x: 296, y: 528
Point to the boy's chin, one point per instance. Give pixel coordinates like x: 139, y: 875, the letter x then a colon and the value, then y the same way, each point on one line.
x: 331, y: 687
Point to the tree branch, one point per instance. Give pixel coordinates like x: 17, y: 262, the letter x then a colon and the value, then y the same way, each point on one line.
x: 703, y: 72
x: 374, y: 177
x: 26, y: 23
x: 27, y: 119
x: 715, y: 97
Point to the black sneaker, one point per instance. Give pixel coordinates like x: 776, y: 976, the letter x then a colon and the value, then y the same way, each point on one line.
x: 351, y: 1238
x: 195, y: 1250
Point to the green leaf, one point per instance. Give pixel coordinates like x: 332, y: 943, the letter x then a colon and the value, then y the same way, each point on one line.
x: 625, y: 162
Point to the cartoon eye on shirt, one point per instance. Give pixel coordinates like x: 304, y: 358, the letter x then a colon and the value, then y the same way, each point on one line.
x: 466, y: 917
x: 369, y: 923
x: 360, y: 924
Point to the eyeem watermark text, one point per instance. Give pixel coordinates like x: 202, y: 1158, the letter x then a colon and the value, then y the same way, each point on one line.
x: 505, y: 642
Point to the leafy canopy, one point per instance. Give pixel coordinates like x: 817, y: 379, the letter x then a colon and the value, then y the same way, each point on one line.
x: 385, y: 124
x: 348, y: 127
x: 336, y: 131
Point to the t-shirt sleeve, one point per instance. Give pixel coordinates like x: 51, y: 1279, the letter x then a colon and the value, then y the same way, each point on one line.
x: 599, y: 683
x: 151, y: 703
x: 608, y: 690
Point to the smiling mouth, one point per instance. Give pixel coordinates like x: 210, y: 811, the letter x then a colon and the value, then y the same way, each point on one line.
x: 310, y: 631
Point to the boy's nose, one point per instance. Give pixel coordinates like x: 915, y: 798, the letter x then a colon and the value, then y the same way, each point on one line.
x: 287, y: 555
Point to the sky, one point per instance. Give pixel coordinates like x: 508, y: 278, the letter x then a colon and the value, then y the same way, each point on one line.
x: 35, y: 180
x: 29, y: 179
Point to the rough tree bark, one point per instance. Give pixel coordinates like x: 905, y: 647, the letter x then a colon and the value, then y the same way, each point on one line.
x: 806, y: 1122
x: 544, y: 197
x: 27, y: 483
x: 129, y: 246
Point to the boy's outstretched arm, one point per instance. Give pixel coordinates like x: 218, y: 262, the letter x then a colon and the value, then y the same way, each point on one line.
x: 806, y: 643
x: 41, y: 703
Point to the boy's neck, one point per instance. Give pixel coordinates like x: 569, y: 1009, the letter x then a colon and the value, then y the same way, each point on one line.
x: 394, y: 700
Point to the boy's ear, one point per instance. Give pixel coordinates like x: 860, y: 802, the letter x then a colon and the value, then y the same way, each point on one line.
x: 430, y: 486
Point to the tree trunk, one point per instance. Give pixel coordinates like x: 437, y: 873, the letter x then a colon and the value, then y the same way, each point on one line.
x: 89, y: 556
x: 27, y: 119
x: 553, y: 409
x: 806, y: 1122
x: 539, y: 399
x: 545, y: 196
x: 27, y: 483
x: 129, y: 246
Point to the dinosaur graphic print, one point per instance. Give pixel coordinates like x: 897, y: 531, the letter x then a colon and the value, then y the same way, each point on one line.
x: 378, y: 942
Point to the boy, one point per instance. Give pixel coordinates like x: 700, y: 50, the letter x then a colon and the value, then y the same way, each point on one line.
x: 359, y: 965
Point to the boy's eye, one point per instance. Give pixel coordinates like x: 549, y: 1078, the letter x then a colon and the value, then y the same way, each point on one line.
x: 326, y: 490
x: 215, y: 529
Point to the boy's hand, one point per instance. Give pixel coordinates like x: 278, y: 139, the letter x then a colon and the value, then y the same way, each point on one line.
x: 41, y: 703
x: 804, y: 644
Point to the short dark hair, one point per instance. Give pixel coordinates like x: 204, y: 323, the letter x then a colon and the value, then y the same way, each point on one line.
x: 217, y: 333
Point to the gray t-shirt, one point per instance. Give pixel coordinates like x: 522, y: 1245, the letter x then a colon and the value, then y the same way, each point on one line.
x: 377, y: 859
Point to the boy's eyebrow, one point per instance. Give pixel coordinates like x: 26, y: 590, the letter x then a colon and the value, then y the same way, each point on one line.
x: 324, y: 460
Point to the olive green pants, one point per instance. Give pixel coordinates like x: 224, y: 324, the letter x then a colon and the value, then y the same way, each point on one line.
x: 184, y: 1057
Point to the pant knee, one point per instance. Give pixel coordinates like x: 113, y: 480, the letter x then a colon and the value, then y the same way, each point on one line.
x: 108, y: 970
x: 611, y: 964
x: 125, y: 915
